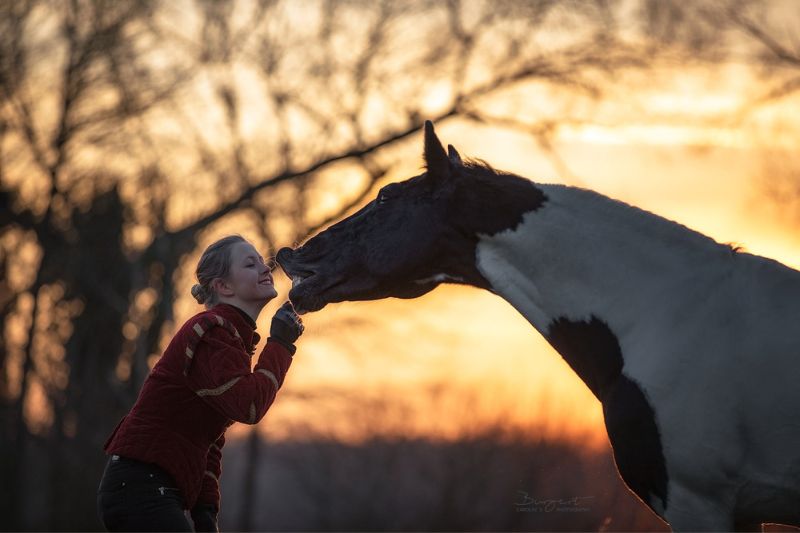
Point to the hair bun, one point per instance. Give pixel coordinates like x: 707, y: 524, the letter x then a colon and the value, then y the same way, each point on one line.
x: 199, y: 293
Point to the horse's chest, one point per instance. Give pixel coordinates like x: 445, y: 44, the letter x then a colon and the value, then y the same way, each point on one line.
x: 593, y: 351
x: 638, y: 451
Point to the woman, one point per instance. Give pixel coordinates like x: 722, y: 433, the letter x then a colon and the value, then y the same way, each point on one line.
x: 166, y: 453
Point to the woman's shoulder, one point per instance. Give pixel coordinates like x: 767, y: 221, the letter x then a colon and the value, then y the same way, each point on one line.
x: 209, y: 323
x: 204, y: 329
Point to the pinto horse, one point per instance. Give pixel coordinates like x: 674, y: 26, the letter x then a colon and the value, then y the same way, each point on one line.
x: 692, y: 347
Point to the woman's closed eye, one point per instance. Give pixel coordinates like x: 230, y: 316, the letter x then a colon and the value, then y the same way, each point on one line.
x: 253, y: 261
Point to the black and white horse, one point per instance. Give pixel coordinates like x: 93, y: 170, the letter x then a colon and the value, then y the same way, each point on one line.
x: 692, y: 348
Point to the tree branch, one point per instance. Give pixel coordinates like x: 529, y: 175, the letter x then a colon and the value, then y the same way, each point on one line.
x: 248, y: 193
x: 778, y: 50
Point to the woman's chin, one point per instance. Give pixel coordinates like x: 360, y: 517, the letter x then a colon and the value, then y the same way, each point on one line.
x: 269, y: 293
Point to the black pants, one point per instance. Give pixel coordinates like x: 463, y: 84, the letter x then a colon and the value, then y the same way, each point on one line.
x: 136, y: 496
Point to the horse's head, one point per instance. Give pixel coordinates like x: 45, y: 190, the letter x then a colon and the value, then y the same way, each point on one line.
x: 413, y: 236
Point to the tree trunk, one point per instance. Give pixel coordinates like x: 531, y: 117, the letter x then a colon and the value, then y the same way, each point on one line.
x: 251, y: 464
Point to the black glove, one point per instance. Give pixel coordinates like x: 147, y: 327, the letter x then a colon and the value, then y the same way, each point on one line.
x: 204, y: 516
x: 286, y: 327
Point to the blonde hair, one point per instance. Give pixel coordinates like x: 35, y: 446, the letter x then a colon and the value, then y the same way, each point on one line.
x: 214, y: 263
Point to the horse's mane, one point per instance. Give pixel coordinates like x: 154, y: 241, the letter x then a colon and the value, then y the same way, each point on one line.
x: 480, y: 168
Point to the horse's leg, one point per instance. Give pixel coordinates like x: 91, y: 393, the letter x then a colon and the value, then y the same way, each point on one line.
x: 687, y: 511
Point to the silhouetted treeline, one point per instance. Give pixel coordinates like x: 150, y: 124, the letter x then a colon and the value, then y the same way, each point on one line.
x: 482, y: 483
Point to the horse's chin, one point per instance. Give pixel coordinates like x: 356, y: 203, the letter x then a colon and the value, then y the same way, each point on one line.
x: 414, y: 290
x: 313, y: 293
x: 306, y: 301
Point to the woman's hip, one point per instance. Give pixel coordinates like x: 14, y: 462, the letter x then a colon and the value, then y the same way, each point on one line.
x: 139, y: 496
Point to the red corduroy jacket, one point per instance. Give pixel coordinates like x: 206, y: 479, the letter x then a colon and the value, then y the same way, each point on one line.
x: 200, y: 386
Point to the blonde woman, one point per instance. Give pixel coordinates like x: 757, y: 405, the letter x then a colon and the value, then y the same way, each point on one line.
x: 166, y: 453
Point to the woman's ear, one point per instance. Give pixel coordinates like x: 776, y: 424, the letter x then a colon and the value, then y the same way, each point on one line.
x: 221, y: 287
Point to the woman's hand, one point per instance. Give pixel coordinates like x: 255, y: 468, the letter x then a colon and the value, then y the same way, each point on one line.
x: 286, y: 325
x: 204, y: 516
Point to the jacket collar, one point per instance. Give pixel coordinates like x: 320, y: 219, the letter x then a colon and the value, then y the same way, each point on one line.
x: 243, y: 323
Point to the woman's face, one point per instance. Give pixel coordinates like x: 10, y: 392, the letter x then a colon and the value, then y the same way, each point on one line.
x: 249, y: 279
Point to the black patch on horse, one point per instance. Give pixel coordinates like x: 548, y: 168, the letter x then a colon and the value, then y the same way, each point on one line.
x: 591, y: 349
x: 485, y: 202
x: 491, y: 201
x: 593, y: 352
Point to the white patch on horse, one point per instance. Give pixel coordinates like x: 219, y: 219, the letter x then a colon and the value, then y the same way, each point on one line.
x: 710, y: 336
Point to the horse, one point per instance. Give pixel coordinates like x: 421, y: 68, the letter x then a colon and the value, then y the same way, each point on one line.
x: 692, y: 347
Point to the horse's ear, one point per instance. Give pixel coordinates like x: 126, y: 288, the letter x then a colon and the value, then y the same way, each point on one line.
x: 435, y: 157
x: 453, y: 155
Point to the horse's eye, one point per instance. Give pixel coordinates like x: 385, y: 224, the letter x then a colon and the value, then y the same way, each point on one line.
x: 382, y: 198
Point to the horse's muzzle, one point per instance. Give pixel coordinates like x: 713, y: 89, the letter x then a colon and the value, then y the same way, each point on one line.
x: 297, y: 271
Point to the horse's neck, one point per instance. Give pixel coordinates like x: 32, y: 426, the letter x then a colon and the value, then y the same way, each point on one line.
x: 582, y: 255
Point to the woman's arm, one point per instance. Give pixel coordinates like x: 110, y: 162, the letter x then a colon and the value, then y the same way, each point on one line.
x: 222, y: 377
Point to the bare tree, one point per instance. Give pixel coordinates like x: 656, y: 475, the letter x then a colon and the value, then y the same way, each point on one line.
x: 760, y: 37
x: 771, y: 44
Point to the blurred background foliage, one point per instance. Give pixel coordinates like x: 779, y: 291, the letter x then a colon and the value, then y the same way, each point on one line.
x: 134, y: 133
